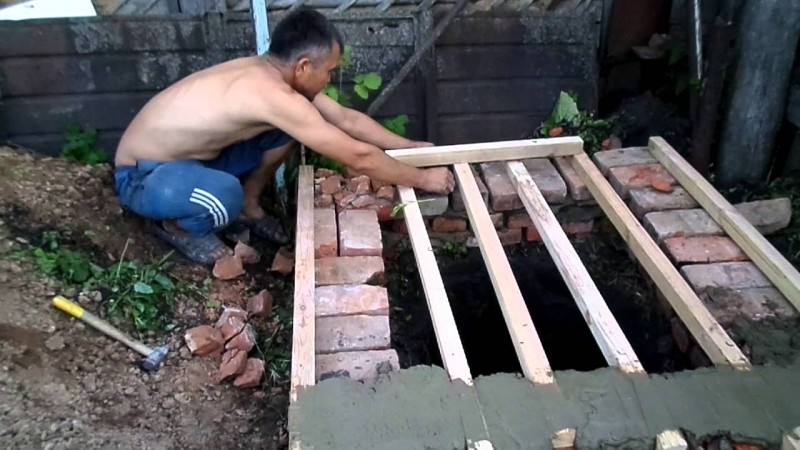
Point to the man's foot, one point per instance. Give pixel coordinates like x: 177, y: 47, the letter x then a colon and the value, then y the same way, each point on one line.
x: 262, y: 225
x: 204, y: 250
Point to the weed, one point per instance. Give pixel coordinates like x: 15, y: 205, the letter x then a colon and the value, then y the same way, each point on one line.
x: 567, y: 120
x: 142, y: 294
x: 452, y: 249
x: 81, y: 146
x: 396, y: 125
x: 401, y: 206
x: 274, y: 348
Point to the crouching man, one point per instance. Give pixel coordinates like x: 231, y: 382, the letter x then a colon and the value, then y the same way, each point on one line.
x: 198, y: 155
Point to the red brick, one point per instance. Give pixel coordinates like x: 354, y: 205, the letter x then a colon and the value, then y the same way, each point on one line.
x: 359, y: 185
x: 228, y: 268
x: 352, y: 333
x: 346, y: 200
x: 519, y: 220
x: 386, y: 192
x: 703, y: 249
x: 324, y: 173
x: 247, y: 254
x: 234, y: 362
x: 349, y: 270
x: 326, y: 239
x: 283, y: 262
x: 359, y: 233
x: 643, y: 201
x: 547, y: 179
x: 630, y: 156
x: 497, y: 220
x: 231, y: 327
x: 244, y: 341
x: 449, y: 224
x: 252, y: 375
x: 510, y: 236
x: 260, y: 305
x: 457, y: 202
x: 575, y: 185
x: 502, y: 194
x: 532, y: 234
x: 350, y: 299
x: 363, y: 201
x: 331, y: 185
x: 323, y: 201
x: 359, y: 366
x: 576, y: 228
x: 203, y: 340
x: 231, y: 311
x: 384, y: 209
x: 625, y: 178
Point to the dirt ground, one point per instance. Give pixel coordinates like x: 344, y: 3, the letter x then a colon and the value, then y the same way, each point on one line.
x: 63, y: 384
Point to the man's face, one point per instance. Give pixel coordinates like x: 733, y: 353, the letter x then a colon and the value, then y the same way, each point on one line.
x: 312, y: 75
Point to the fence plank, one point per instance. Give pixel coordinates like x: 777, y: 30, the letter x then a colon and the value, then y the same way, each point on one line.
x: 510, y: 96
x: 515, y: 61
x: 520, y: 30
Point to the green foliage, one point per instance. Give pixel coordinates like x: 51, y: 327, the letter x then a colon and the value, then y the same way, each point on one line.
x: 365, y: 83
x: 401, y: 206
x: 275, y: 347
x: 452, y: 249
x: 396, y: 125
x: 142, y: 294
x: 567, y: 120
x: 81, y: 146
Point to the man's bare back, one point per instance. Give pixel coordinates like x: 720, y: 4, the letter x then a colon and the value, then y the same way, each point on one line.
x: 200, y: 115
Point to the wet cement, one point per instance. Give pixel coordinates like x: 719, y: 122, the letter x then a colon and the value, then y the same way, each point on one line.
x: 419, y: 408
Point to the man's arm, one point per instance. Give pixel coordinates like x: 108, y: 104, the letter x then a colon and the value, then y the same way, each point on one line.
x: 295, y: 115
x: 360, y: 126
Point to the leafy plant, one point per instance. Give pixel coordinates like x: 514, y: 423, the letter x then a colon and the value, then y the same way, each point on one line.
x: 52, y: 260
x: 453, y: 249
x: 567, y: 120
x: 401, y: 206
x: 366, y: 82
x: 396, y: 125
x: 274, y: 347
x: 81, y: 146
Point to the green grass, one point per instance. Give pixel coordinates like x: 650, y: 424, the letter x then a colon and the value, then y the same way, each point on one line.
x: 140, y: 294
x: 275, y: 348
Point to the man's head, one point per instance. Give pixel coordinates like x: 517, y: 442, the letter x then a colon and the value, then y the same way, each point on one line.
x: 310, y: 47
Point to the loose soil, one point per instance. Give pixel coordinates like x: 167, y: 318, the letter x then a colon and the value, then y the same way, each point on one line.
x: 560, y: 325
x: 64, y: 385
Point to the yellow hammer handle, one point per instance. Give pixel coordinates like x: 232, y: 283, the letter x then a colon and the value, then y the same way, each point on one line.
x: 68, y: 306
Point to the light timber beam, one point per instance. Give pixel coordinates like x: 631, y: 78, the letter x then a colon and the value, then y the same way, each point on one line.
x: 444, y: 324
x: 445, y: 155
x: 604, y: 327
x: 690, y: 309
x: 775, y: 267
x: 527, y: 344
x: 303, y: 328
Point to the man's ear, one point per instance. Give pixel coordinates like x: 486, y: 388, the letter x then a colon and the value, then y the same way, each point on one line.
x: 302, y: 67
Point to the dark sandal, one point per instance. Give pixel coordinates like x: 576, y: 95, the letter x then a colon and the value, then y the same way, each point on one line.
x: 200, y: 249
x: 268, y: 228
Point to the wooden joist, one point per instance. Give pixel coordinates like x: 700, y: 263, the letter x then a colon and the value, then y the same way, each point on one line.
x: 303, y: 329
x: 769, y: 260
x: 604, y: 327
x: 711, y: 337
x: 445, y: 155
x: 527, y: 344
x: 444, y: 324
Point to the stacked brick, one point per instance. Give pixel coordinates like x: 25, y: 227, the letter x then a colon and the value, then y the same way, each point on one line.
x: 732, y: 287
x: 353, y: 337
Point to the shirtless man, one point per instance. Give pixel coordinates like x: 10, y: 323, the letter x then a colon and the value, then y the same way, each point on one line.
x: 197, y: 157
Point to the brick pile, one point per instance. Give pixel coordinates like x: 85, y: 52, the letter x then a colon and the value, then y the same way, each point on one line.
x: 353, y: 337
x: 231, y: 340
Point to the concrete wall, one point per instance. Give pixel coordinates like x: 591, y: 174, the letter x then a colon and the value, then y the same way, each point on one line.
x: 495, y: 75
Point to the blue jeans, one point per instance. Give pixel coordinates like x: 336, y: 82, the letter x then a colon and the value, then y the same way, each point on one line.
x: 203, y: 196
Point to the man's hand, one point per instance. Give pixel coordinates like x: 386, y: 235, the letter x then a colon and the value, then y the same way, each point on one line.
x: 418, y: 144
x: 438, y: 180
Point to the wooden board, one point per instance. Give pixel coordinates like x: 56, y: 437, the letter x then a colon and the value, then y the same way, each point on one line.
x: 444, y: 324
x: 604, y: 327
x: 527, y: 344
x: 690, y: 309
x: 303, y: 329
x: 445, y: 155
x: 774, y: 265
x: 515, y: 61
x: 509, y: 96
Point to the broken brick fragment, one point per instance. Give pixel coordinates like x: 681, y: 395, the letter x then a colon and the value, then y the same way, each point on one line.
x: 234, y: 362
x: 386, y: 192
x: 283, y: 262
x: 260, y: 305
x: 323, y: 201
x: 331, y: 185
x: 363, y: 201
x: 247, y: 254
x: 203, y: 340
x: 231, y: 327
x: 244, y: 341
x: 443, y: 224
x: 360, y: 185
x: 324, y: 173
x: 252, y: 375
x: 662, y: 185
x: 231, y: 311
x: 228, y: 268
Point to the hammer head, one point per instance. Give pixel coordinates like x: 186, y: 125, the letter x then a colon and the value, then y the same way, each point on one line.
x: 153, y: 361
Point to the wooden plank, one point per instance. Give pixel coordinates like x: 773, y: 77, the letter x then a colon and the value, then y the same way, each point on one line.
x: 445, y: 155
x: 768, y: 259
x: 545, y: 29
x: 791, y: 440
x: 527, y: 344
x: 516, y: 61
x: 303, y: 324
x: 690, y: 309
x: 604, y: 327
x: 444, y: 324
x: 511, y: 96
x: 468, y: 128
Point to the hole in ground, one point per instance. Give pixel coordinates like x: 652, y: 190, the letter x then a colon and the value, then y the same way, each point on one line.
x: 566, y: 338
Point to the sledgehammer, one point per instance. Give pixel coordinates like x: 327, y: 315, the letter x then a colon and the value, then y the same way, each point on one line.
x: 153, y: 356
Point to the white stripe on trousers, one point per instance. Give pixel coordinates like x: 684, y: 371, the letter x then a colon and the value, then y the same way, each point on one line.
x: 215, y: 201
x: 205, y: 203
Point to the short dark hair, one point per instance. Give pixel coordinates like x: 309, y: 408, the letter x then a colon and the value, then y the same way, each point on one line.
x: 301, y: 33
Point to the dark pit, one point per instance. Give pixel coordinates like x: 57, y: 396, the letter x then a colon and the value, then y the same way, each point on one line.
x: 566, y: 337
